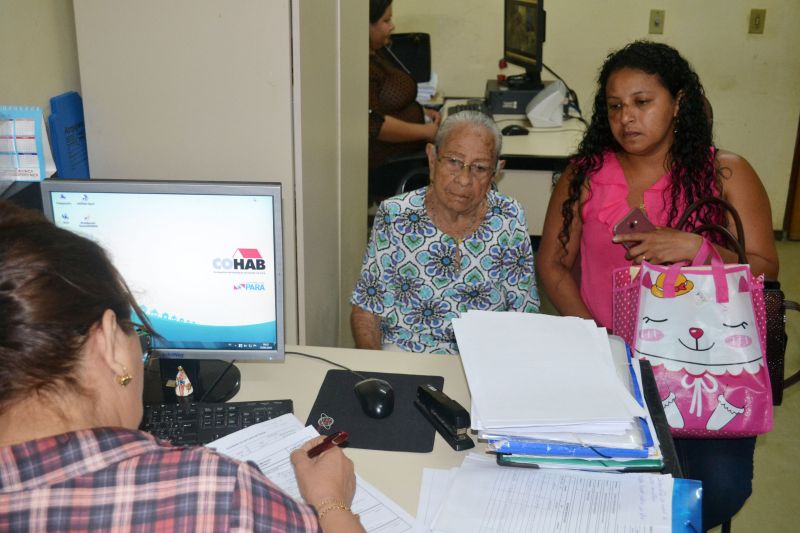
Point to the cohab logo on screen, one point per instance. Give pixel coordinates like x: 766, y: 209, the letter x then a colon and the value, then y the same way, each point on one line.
x: 243, y: 259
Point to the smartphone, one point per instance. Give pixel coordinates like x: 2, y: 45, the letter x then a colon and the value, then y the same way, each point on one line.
x: 634, y: 222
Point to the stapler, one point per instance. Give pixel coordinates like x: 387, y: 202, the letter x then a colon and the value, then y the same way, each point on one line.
x: 449, y: 418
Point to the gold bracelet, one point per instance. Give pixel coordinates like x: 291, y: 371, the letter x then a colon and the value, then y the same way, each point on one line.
x: 329, y: 505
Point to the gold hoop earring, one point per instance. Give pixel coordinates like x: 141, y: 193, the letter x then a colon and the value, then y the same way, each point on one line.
x: 125, y: 378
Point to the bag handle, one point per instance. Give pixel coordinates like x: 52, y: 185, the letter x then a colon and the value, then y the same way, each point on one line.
x: 736, y: 244
x: 717, y: 272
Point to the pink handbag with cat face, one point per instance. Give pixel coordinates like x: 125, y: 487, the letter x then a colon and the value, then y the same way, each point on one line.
x: 703, y: 330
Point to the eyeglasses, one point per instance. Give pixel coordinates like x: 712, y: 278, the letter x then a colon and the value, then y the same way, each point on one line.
x: 146, y: 342
x: 453, y: 165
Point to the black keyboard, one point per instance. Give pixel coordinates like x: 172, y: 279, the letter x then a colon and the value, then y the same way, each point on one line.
x: 200, y: 423
x: 469, y: 106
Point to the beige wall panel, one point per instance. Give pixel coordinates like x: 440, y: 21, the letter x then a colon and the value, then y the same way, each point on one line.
x: 192, y: 89
x: 37, y: 51
x: 353, y: 142
x: 317, y: 170
x: 331, y: 162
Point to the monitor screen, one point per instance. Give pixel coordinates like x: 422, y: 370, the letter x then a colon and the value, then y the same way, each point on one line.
x: 524, y: 29
x: 203, y: 260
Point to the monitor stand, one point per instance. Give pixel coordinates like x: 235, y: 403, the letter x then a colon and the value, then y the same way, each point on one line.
x: 213, y: 380
x: 530, y: 81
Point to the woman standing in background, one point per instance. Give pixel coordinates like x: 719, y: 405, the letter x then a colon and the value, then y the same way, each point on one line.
x: 398, y: 125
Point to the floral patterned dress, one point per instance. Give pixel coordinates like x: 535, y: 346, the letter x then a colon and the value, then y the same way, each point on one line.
x: 417, y: 279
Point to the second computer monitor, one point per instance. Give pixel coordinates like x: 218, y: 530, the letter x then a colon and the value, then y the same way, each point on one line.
x: 523, y: 36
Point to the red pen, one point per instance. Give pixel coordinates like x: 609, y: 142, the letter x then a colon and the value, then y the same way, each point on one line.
x: 330, y: 441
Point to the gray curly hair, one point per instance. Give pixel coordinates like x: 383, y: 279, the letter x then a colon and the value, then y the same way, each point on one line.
x: 474, y: 118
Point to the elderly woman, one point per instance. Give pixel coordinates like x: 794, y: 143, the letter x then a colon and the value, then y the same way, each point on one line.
x: 71, y: 374
x: 439, y: 251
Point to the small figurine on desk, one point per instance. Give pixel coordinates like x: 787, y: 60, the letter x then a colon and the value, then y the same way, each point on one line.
x: 183, y: 387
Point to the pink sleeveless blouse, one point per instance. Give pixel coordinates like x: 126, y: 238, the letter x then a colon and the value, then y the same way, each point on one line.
x: 599, y: 256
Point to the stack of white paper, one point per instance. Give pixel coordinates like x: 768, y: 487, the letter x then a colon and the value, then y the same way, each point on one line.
x: 539, y: 381
x: 426, y: 89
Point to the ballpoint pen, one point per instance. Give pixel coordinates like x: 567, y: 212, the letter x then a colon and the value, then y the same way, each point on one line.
x: 330, y: 441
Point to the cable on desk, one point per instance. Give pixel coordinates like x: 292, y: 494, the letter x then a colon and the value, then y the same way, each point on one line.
x: 327, y: 361
x: 572, y: 95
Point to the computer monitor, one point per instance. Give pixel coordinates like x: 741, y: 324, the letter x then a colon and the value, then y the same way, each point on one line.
x: 203, y: 260
x: 523, y: 35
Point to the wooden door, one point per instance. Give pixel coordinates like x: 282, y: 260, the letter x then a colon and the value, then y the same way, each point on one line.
x: 791, y: 221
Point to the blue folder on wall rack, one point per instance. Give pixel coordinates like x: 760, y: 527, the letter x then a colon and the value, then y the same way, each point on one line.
x: 68, y: 136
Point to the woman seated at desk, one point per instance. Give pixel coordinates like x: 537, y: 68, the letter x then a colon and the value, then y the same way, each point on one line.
x: 439, y: 251
x: 398, y: 125
x: 71, y: 379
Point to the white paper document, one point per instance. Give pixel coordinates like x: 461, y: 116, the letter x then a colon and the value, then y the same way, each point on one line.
x: 488, y: 498
x: 433, y: 490
x: 269, y: 445
x: 528, y: 369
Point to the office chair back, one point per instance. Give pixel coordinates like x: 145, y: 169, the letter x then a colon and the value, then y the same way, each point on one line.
x: 415, y: 178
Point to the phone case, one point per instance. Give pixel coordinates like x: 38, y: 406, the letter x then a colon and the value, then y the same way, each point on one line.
x: 634, y: 222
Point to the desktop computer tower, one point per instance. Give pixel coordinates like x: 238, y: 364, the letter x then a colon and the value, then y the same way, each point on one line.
x: 504, y: 100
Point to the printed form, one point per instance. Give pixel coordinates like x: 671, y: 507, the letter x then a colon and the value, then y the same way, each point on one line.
x: 269, y: 445
x: 488, y: 498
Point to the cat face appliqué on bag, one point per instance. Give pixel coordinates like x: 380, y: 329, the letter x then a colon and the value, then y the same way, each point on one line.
x: 704, y: 337
x: 692, y: 332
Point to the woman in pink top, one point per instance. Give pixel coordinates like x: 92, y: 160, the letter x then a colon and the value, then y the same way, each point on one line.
x: 649, y: 145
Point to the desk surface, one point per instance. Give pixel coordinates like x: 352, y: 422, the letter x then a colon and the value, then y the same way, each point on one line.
x: 396, y: 474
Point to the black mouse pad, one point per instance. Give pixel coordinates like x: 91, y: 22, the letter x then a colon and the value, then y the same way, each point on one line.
x: 405, y: 430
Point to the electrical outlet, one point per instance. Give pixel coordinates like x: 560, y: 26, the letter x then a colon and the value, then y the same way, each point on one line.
x: 757, y: 19
x: 656, y: 21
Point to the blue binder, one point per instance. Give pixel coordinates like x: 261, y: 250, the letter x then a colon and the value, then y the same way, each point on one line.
x: 687, y: 506
x: 68, y: 136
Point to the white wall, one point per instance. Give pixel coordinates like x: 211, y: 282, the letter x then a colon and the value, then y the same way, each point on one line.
x: 37, y: 52
x: 751, y: 80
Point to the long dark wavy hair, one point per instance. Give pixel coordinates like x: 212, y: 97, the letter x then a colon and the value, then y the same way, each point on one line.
x: 694, y: 173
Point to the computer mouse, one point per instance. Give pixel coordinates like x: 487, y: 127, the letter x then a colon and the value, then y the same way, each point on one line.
x: 376, y: 397
x: 515, y: 129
